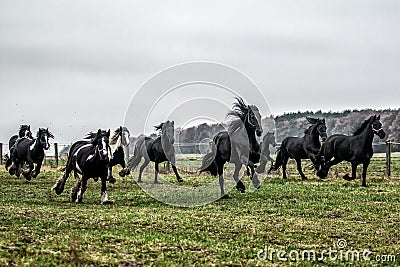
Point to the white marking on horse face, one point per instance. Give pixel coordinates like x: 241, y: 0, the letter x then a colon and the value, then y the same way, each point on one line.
x: 126, y: 136
x: 103, y: 143
x: 32, y: 146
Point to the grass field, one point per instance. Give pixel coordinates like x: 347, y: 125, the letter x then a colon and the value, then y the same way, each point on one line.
x: 38, y: 228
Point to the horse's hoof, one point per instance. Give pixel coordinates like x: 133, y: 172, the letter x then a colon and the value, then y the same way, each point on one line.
x: 348, y: 177
x: 258, y: 187
x: 108, y: 202
x: 225, y: 196
x: 121, y: 173
x: 139, y: 181
x: 96, y: 179
x: 241, y: 190
x: 112, y: 180
x: 156, y: 182
x: 180, y: 180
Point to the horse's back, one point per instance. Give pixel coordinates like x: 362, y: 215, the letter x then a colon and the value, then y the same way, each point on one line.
x: 294, y: 146
x: 21, y: 148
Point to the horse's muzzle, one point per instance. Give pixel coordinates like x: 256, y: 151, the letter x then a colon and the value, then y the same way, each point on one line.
x: 381, y: 134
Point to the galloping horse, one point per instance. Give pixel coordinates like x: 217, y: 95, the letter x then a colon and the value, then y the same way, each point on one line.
x: 30, y: 151
x: 91, y: 160
x: 298, y: 148
x: 24, y: 132
x: 356, y: 149
x: 238, y: 145
x: 118, y: 140
x: 157, y: 150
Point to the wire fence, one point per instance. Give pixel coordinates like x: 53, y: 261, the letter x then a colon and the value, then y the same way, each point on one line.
x: 384, y: 156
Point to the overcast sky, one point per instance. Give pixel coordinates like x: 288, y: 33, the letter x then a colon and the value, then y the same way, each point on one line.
x: 73, y: 66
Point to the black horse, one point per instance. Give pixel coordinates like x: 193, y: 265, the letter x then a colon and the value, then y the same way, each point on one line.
x: 91, y: 160
x: 24, y: 132
x: 238, y: 145
x: 157, y: 150
x: 298, y: 148
x: 118, y: 140
x: 30, y: 151
x: 356, y: 149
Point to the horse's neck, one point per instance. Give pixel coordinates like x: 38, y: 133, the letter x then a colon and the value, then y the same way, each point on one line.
x: 313, y: 136
x: 252, y: 139
x: 115, y: 146
x: 366, y: 136
x: 35, y: 147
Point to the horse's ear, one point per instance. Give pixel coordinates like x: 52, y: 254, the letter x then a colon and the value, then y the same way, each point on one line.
x: 120, y: 129
x: 108, y: 133
x: 323, y: 120
x: 98, y: 131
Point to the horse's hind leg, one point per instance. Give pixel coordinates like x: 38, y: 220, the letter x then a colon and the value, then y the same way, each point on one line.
x: 145, y: 163
x: 353, y: 173
x: 221, y: 181
x: 254, y: 177
x: 285, y: 161
x: 104, y: 195
x: 364, y: 173
x: 75, y: 190
x: 81, y: 191
x: 299, y: 169
x: 156, y: 172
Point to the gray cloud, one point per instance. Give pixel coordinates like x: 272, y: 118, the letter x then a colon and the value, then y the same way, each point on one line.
x: 76, y: 64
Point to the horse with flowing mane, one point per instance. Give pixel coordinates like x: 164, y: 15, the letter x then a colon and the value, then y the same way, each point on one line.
x: 119, y: 139
x: 91, y: 160
x: 298, y: 148
x: 157, y: 150
x: 238, y: 145
x: 356, y: 149
x: 30, y: 151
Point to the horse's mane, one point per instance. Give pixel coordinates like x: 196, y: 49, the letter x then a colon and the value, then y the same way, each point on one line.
x: 44, y: 130
x: 159, y: 127
x: 114, y: 137
x: 24, y: 126
x: 93, y: 136
x: 239, y: 110
x: 363, y: 126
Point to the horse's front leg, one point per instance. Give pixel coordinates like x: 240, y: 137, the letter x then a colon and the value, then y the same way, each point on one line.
x: 125, y: 170
x: 110, y: 178
x: 36, y: 171
x: 353, y: 173
x: 239, y: 184
x: 364, y: 173
x: 28, y: 174
x: 176, y: 173
x: 104, y: 195
x: 254, y: 176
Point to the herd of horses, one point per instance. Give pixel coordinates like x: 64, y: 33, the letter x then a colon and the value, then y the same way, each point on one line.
x: 95, y: 156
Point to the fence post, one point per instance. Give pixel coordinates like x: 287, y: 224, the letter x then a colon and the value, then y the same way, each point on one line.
x: 56, y: 153
x: 388, y: 157
x: 126, y: 153
x: 1, y: 153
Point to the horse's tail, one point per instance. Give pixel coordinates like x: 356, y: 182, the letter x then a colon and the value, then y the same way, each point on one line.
x: 134, y: 161
x: 280, y: 156
x: 208, y: 164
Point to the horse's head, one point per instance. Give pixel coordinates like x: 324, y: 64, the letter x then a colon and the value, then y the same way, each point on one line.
x: 167, y: 131
x: 254, y: 119
x: 269, y: 139
x: 377, y: 126
x: 125, y: 135
x: 43, y: 136
x: 25, y: 131
x: 101, y: 141
x: 320, y: 126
